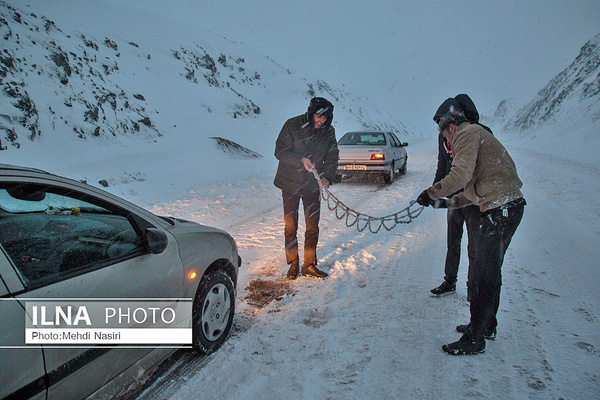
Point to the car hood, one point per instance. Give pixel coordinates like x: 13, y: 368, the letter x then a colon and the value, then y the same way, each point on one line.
x: 183, y: 226
x: 196, y: 239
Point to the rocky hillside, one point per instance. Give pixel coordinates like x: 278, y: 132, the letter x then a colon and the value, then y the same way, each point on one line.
x: 63, y: 78
x: 575, y: 92
x: 97, y: 84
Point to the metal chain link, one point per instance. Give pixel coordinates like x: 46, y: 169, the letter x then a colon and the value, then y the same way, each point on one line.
x: 362, y: 221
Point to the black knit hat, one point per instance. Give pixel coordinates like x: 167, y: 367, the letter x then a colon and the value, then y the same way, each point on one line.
x: 468, y: 107
x: 448, y: 113
x: 321, y: 106
x: 444, y: 108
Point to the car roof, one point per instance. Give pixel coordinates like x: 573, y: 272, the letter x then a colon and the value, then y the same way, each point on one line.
x: 11, y: 172
x: 19, y: 168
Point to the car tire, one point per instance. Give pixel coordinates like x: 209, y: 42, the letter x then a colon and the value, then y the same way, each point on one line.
x: 390, y: 176
x: 212, y: 312
x: 404, y: 167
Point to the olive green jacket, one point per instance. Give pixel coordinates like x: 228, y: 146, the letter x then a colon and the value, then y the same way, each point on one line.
x: 482, y: 166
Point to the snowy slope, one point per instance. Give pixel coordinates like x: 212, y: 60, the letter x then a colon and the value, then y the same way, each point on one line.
x: 576, y: 90
x: 564, y: 113
x: 65, y: 83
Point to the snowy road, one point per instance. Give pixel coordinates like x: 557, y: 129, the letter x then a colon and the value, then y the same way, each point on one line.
x: 371, y: 330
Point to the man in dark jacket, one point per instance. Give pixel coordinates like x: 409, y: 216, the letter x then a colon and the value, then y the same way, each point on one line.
x: 305, y: 144
x: 456, y: 218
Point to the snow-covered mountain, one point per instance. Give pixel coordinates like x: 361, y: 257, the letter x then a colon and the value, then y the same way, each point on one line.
x: 575, y: 91
x: 52, y: 79
x: 564, y: 112
x: 95, y: 84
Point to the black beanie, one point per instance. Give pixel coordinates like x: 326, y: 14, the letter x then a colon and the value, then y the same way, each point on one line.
x: 444, y: 108
x: 468, y: 107
x: 448, y: 113
x: 321, y: 106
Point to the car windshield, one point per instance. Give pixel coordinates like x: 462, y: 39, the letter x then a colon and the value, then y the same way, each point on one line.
x: 363, y: 139
x: 13, y: 204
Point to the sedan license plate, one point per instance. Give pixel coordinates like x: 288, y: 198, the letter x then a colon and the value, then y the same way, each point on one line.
x: 357, y: 167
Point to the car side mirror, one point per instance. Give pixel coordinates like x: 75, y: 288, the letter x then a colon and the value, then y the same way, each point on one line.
x: 156, y: 240
x: 404, y: 144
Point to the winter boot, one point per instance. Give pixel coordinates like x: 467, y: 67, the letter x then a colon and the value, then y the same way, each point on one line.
x: 312, y: 270
x: 465, y: 345
x: 489, y: 334
x: 445, y: 288
x: 293, y: 271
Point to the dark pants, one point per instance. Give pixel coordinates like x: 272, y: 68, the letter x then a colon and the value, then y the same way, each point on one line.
x: 491, y: 240
x: 312, y: 214
x: 468, y: 216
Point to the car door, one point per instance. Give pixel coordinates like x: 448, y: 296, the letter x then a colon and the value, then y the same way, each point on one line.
x: 399, y: 152
x: 393, y: 148
x: 21, y: 368
x: 94, y: 253
x: 145, y: 276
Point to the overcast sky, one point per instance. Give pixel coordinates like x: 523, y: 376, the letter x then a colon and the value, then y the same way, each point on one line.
x: 407, y: 55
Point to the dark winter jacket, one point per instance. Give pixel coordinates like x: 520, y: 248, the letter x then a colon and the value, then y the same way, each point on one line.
x: 444, y: 160
x: 299, y: 139
x: 444, y: 163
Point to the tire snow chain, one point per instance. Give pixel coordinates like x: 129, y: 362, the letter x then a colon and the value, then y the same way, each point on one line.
x: 362, y: 221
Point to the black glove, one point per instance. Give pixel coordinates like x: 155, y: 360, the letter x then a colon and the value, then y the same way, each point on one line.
x: 424, y: 199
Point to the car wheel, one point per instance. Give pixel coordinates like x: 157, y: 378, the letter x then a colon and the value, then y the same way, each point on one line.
x: 390, y: 176
x: 403, y: 169
x: 214, y: 306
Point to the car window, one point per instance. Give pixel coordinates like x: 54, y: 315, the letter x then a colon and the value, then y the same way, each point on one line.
x: 395, y: 138
x: 50, y: 236
x: 363, y: 138
x: 393, y: 141
x: 350, y: 139
x: 13, y: 204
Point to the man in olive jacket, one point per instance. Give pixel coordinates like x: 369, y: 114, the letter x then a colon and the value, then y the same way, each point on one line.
x: 483, y: 167
x: 305, y: 144
x: 456, y: 217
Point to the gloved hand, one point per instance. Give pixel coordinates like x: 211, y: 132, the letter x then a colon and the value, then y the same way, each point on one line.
x: 424, y: 199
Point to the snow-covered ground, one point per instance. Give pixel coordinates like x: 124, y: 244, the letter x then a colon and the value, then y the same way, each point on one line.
x: 371, y: 330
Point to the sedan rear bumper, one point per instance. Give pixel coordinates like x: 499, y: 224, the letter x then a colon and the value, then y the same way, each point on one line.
x: 356, y: 168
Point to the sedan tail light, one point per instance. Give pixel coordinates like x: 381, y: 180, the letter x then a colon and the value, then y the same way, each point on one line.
x: 378, y: 156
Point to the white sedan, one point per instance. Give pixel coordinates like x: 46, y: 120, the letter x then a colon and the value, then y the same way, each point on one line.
x: 372, y: 152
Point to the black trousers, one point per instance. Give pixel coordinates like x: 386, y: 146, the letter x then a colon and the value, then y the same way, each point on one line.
x: 490, y: 240
x: 456, y: 219
x: 312, y: 214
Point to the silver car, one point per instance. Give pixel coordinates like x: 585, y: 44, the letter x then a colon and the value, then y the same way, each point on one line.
x: 66, y: 241
x: 372, y: 152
